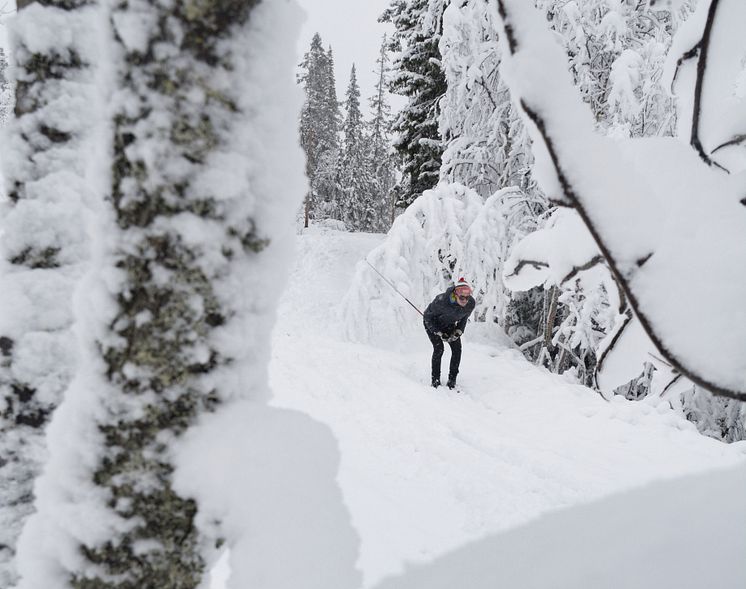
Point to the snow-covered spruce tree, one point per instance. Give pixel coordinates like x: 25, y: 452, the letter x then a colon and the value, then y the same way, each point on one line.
x: 359, y: 209
x: 417, y: 75
x: 380, y: 148
x: 319, y: 130
x: 205, y: 176
x: 44, y: 246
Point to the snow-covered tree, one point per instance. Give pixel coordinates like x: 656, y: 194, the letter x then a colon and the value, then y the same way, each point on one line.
x: 417, y: 75
x: 44, y: 245
x: 359, y: 209
x: 646, y: 211
x: 487, y: 146
x: 195, y: 219
x: 422, y: 254
x: 616, y: 51
x: 319, y: 131
x: 380, y: 147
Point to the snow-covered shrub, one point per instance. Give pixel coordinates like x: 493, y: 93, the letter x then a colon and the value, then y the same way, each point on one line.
x: 422, y: 252
x: 584, y: 301
x: 446, y: 233
x: 504, y: 219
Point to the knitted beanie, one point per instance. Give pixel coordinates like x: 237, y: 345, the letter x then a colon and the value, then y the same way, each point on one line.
x: 461, y: 285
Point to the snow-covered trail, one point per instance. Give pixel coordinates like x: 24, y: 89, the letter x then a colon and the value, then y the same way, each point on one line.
x: 423, y: 471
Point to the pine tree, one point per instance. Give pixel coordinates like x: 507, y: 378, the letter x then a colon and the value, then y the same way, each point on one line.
x: 319, y: 129
x: 382, y: 162
x: 418, y: 75
x: 44, y: 246
x: 356, y: 180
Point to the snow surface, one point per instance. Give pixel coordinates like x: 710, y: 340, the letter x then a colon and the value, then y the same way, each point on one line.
x: 425, y: 471
x: 670, y: 534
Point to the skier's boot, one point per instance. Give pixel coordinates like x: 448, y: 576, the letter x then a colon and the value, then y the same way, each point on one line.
x: 451, y: 382
x: 435, y: 382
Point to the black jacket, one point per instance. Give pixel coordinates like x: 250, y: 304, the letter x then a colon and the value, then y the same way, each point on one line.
x: 444, y: 314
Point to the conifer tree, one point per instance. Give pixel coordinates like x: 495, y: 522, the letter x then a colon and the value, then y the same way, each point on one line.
x: 382, y: 161
x: 418, y: 75
x: 319, y: 129
x: 356, y: 180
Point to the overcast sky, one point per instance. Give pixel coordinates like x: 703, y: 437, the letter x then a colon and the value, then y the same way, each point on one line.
x: 352, y: 29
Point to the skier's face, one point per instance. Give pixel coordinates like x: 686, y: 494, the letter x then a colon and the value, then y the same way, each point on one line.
x: 462, y: 296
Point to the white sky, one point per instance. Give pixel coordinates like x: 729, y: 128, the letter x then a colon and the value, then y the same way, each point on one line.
x: 352, y: 29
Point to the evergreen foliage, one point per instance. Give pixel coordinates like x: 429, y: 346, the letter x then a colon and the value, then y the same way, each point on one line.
x: 319, y: 131
x: 417, y: 75
x: 357, y: 182
x: 348, y: 163
x: 380, y: 146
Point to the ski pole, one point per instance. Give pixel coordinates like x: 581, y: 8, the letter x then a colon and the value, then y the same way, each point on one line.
x: 392, y: 286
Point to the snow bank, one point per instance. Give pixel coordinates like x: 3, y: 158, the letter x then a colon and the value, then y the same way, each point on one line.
x: 686, y: 533
x: 269, y: 475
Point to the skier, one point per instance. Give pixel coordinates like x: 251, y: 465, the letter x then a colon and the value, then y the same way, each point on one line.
x: 445, y: 320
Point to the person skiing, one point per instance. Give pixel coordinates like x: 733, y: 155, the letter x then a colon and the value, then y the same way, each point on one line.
x: 445, y: 321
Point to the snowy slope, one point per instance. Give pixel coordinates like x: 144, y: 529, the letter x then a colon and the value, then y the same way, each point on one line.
x: 425, y: 471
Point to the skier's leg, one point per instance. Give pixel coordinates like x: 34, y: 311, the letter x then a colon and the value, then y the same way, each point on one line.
x: 455, y: 361
x: 437, y: 355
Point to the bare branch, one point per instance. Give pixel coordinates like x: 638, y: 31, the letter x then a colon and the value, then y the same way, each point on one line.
x: 735, y: 141
x: 704, y: 44
x: 595, y: 260
x: 523, y: 263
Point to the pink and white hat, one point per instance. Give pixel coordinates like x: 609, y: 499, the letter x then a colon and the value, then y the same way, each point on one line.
x: 462, y: 287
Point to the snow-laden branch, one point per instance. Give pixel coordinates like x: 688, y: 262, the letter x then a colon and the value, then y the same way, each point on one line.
x: 669, y: 226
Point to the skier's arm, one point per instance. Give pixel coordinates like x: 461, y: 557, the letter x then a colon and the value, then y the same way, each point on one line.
x: 461, y: 324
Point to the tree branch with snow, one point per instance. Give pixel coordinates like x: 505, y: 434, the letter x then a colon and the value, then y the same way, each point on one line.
x: 664, y: 221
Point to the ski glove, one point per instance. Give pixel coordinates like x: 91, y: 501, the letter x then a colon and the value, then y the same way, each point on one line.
x: 457, y: 333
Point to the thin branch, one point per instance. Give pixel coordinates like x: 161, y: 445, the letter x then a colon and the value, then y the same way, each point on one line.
x: 699, y: 84
x: 736, y: 140
x: 594, y: 261
x: 523, y: 263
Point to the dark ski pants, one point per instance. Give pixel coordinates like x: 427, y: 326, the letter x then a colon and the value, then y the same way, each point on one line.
x: 438, y: 348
